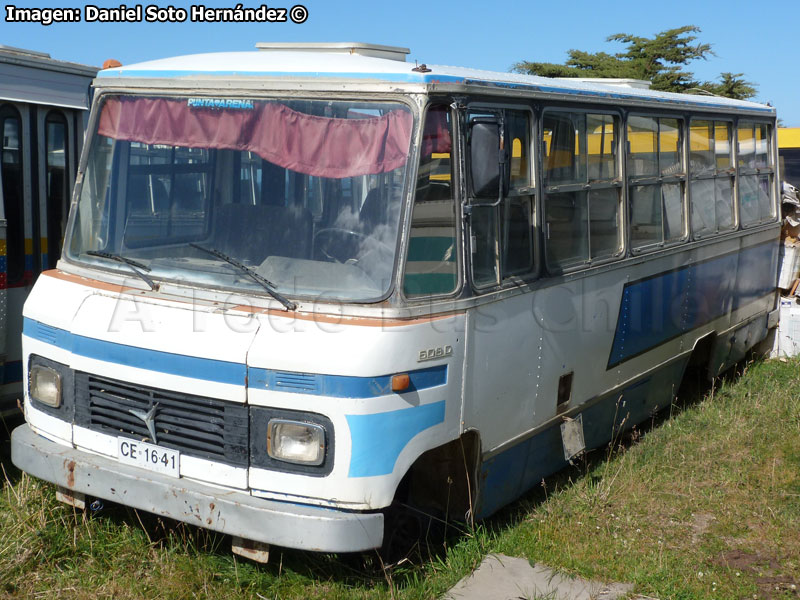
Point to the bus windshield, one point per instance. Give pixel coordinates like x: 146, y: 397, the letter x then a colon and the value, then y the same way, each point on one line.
x: 305, y: 193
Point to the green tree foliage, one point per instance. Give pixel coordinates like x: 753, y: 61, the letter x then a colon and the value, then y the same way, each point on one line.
x: 659, y: 59
x: 731, y: 86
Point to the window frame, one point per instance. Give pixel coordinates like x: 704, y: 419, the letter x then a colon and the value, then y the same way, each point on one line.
x: 658, y: 179
x: 717, y: 174
x: 617, y: 182
x: 58, y: 117
x: 456, y: 169
x: 527, y: 193
x: 769, y: 171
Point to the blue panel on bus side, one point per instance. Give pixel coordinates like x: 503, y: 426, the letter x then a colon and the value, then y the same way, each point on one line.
x: 650, y: 313
x: 506, y: 475
x: 758, y: 274
x: 509, y: 474
x: 378, y: 439
x: 659, y: 308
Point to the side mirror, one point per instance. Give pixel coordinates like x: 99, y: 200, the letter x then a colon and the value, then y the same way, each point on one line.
x: 487, y: 159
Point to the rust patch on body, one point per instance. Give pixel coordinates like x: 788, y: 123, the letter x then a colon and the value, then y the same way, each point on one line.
x: 70, y: 467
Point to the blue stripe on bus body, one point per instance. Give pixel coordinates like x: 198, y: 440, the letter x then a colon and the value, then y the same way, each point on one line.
x: 378, y: 439
x: 659, y: 308
x: 207, y: 369
x: 342, y: 386
x: 234, y: 373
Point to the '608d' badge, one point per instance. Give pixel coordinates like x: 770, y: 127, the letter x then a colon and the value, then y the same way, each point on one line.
x: 434, y: 353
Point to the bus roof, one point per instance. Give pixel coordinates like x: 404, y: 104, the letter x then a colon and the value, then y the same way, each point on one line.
x: 34, y: 77
x: 362, y: 63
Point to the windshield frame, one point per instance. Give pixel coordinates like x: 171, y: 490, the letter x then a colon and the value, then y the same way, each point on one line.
x: 409, y: 100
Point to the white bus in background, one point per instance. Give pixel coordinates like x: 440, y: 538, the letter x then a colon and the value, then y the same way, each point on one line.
x: 43, y: 111
x: 304, y: 284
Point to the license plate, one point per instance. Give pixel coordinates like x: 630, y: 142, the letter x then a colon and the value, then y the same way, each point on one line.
x: 149, y: 456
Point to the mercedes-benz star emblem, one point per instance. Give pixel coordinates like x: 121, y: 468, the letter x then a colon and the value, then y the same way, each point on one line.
x: 149, y: 419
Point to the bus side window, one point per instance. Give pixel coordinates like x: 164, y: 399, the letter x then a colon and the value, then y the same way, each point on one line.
x: 507, y: 228
x: 712, y: 174
x: 656, y: 181
x: 756, y: 173
x: 582, y: 188
x: 431, y: 264
x: 12, y: 170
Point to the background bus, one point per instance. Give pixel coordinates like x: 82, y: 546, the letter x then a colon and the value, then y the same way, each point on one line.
x: 789, y: 154
x: 43, y: 111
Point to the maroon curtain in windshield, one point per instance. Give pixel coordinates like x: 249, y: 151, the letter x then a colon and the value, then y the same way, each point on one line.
x: 318, y: 146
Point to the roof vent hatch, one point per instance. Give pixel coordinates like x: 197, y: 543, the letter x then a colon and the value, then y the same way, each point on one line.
x: 374, y: 50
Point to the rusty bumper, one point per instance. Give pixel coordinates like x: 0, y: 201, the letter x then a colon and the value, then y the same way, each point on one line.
x: 235, y: 513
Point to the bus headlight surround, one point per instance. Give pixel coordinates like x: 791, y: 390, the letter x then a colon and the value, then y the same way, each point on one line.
x: 45, y: 385
x: 296, y: 441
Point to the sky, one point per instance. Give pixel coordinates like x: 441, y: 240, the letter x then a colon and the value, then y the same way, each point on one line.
x: 759, y: 39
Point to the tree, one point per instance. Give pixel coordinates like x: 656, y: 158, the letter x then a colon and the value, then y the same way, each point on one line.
x: 659, y: 59
x: 731, y: 86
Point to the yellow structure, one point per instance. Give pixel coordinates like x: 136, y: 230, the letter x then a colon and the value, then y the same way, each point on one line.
x: 789, y: 154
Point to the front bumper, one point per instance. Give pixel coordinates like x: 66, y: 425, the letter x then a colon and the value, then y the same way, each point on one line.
x: 272, y: 522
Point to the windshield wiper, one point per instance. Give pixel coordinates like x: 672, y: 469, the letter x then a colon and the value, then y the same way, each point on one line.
x: 262, y: 281
x: 135, y: 266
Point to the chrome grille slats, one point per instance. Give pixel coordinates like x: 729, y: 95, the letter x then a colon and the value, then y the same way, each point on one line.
x: 195, y: 425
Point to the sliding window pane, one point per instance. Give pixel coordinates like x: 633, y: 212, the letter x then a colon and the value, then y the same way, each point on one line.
x: 645, y: 215
x: 673, y: 211
x: 669, y: 149
x: 722, y: 145
x: 762, y: 145
x: 765, y: 206
x: 747, y: 144
x: 601, y: 142
x: 724, y: 203
x: 704, y: 219
x: 749, y: 209
x: 566, y: 229
x: 642, y: 147
x: 604, y: 232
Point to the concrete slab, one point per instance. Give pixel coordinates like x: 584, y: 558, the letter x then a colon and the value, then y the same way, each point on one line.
x: 501, y: 577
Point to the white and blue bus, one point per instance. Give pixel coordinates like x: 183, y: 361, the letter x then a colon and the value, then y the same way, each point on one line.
x: 303, y: 283
x: 44, y: 105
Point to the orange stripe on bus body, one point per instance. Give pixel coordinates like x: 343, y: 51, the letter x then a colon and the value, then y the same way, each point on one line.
x: 303, y: 316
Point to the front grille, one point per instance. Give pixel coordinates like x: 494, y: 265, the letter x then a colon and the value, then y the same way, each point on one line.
x: 195, y: 425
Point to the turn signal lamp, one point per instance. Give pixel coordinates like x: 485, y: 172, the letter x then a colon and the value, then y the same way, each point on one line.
x: 401, y: 382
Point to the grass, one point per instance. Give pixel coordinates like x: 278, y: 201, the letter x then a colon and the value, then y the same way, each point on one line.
x: 706, y: 504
